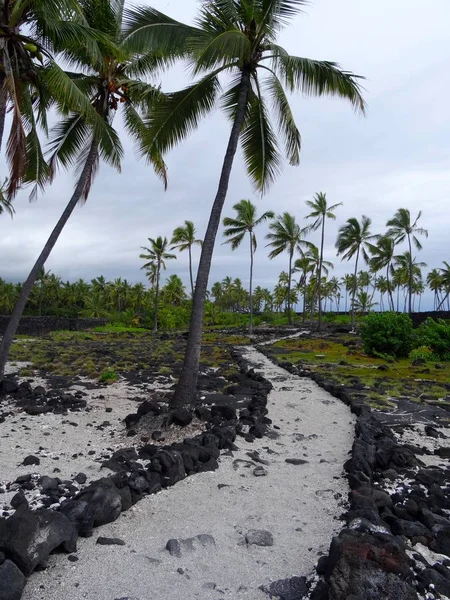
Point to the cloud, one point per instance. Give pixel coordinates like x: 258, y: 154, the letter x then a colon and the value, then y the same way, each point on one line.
x: 398, y: 155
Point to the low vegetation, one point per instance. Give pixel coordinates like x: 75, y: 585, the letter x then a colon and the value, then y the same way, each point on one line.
x: 342, y: 359
x: 108, y: 352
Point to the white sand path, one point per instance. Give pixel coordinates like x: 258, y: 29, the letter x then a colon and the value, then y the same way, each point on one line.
x: 299, y: 505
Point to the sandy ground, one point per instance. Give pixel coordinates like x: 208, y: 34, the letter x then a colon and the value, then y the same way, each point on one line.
x: 72, y: 443
x: 298, y: 504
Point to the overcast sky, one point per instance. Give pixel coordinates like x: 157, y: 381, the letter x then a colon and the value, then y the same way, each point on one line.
x: 397, y: 156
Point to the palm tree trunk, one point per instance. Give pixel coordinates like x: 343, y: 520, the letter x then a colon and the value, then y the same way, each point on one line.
x: 190, y: 270
x: 2, y: 107
x: 391, y: 299
x: 250, y: 327
x: 155, y: 315
x: 305, y: 285
x: 288, y: 304
x: 354, y: 291
x: 39, y: 264
x: 319, y: 281
x: 187, y: 384
x: 410, y: 282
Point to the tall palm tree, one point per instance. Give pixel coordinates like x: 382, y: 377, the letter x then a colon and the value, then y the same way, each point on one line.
x: 236, y: 38
x: 402, y: 227
x: 183, y: 238
x: 348, y: 282
x: 245, y: 222
x: 445, y: 274
x: 435, y: 282
x: 320, y: 212
x: 382, y: 256
x: 313, y: 254
x: 305, y: 266
x: 107, y: 78
x: 354, y: 238
x: 382, y: 285
x: 410, y: 270
x: 31, y: 32
x: 286, y: 235
x: 156, y: 256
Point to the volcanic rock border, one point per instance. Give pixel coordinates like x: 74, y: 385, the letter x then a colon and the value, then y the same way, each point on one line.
x: 27, y: 537
x: 396, y: 542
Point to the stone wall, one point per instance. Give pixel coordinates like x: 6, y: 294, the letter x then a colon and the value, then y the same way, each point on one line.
x: 42, y: 325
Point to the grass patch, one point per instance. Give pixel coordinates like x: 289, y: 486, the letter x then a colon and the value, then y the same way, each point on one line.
x: 343, y: 361
x: 98, y: 354
x: 108, y: 376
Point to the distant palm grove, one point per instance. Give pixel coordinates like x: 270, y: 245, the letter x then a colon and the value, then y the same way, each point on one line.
x: 380, y: 279
x: 89, y: 60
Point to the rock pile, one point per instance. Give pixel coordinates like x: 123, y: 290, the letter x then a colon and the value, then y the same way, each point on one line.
x: 37, y: 401
x: 28, y: 536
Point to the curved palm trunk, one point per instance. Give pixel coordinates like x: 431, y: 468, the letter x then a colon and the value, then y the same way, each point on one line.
x: 155, y: 316
x: 319, y: 281
x: 187, y: 384
x: 354, y: 291
x: 288, y: 304
x: 190, y: 271
x: 29, y: 283
x: 250, y: 326
x: 410, y: 278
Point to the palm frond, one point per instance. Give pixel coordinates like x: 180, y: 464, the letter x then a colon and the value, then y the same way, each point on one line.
x: 210, y: 52
x: 146, y: 29
x: 37, y: 169
x: 286, y: 123
x: 317, y: 78
x: 175, y: 116
x: 259, y: 145
x: 67, y: 141
x: 136, y: 128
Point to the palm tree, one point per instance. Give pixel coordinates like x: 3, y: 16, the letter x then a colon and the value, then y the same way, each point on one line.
x: 305, y: 266
x: 382, y: 286
x: 183, y: 238
x: 445, y: 274
x: 174, y: 292
x: 435, y: 282
x: 286, y: 236
x: 399, y: 280
x: 108, y: 79
x: 245, y: 222
x: 334, y: 289
x: 348, y: 281
x: 354, y: 238
x: 363, y: 302
x: 401, y: 227
x: 382, y: 257
x: 156, y: 255
x: 320, y: 212
x: 30, y: 33
x: 236, y: 38
x: 410, y: 271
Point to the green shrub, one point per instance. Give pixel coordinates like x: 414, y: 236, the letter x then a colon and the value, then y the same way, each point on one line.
x: 108, y: 376
x: 422, y: 353
x: 436, y: 336
x: 387, y: 334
